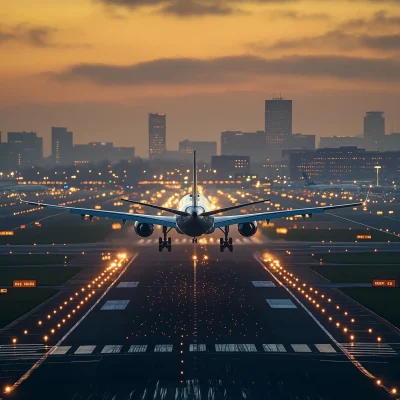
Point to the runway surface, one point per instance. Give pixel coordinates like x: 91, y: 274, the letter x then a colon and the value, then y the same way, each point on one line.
x: 174, y: 327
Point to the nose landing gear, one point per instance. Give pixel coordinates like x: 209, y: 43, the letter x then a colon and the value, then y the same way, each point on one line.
x: 164, y: 242
x: 225, y: 242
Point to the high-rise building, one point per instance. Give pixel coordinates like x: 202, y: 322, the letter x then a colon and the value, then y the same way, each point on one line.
x: 61, y: 145
x: 374, y: 128
x: 278, y: 124
x: 25, y: 149
x: 240, y: 143
x: 157, y: 134
x: 205, y: 150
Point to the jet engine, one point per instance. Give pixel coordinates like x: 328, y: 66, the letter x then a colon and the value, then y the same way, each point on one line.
x: 143, y: 230
x: 247, y: 229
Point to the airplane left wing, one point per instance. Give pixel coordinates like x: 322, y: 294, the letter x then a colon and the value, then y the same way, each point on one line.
x: 266, y: 216
x: 146, y: 219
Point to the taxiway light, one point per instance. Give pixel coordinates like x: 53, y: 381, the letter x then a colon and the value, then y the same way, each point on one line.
x: 330, y: 318
x: 379, y: 339
x: 394, y: 391
x: 352, y: 320
x: 338, y: 324
x: 370, y: 330
x: 352, y: 337
x: 329, y: 300
x: 345, y: 330
x: 55, y: 311
x: 8, y: 389
x: 52, y: 331
x: 345, y: 313
x: 59, y: 325
x: 25, y: 332
x: 14, y: 340
x: 39, y: 322
x: 323, y: 310
x: 46, y: 338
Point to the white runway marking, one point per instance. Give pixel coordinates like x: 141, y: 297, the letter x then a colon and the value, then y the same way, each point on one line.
x: 163, y: 348
x: 115, y: 305
x: 263, y: 284
x: 59, y: 350
x: 85, y: 350
x: 197, y: 347
x: 137, y: 348
x: 235, y: 347
x: 281, y: 303
x: 301, y: 348
x: 325, y: 348
x: 110, y: 349
x: 369, y: 349
x: 122, y: 285
x: 280, y: 348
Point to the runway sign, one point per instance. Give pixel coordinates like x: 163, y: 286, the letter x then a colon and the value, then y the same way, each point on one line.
x: 6, y: 233
x: 27, y: 283
x: 3, y: 291
x: 364, y: 237
x: 384, y: 283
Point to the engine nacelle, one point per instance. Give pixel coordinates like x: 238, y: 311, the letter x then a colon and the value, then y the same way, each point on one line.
x: 144, y: 230
x: 247, y: 229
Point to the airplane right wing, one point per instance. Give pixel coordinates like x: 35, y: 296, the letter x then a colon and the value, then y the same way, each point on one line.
x: 146, y: 219
x: 266, y: 216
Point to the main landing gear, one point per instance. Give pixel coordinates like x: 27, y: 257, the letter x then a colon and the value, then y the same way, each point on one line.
x: 225, y: 242
x: 164, y: 242
x: 194, y: 240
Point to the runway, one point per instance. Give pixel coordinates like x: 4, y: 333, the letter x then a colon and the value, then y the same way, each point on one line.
x: 219, y: 327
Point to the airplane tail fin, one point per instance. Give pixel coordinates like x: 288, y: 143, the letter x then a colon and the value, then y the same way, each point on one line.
x: 194, y: 191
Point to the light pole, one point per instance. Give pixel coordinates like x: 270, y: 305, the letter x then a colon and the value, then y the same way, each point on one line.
x: 377, y: 167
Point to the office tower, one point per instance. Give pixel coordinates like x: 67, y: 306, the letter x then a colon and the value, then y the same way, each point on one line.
x: 227, y: 167
x: 251, y: 144
x: 25, y: 149
x: 205, y: 150
x: 278, y: 124
x: 61, y: 145
x: 157, y: 134
x: 374, y: 128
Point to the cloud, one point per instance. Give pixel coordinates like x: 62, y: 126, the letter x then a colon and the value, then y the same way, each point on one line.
x: 35, y: 36
x: 189, y: 8
x: 233, y: 69
x: 335, y: 39
x: 298, y: 16
x: 379, y: 20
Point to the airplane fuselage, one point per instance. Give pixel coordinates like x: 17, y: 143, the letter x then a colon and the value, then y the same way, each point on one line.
x: 194, y: 225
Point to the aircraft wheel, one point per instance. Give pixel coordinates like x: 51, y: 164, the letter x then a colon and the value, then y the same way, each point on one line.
x: 169, y: 248
x: 160, y: 247
x: 230, y: 241
x: 221, y: 241
x: 169, y: 241
x: 221, y: 248
x: 160, y: 241
x: 230, y: 248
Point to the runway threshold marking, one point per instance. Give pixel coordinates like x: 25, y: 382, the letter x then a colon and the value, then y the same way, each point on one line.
x: 87, y: 349
x: 197, y: 347
x: 44, y: 357
x: 281, y: 303
x: 354, y: 361
x: 301, y: 348
x: 325, y: 348
x: 111, y: 349
x: 263, y: 284
x: 235, y: 347
x: 163, y: 348
x: 60, y: 350
x: 137, y: 348
x: 275, y: 348
x: 112, y: 305
x: 123, y: 285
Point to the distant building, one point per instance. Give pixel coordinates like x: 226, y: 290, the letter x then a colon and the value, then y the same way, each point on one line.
x: 24, y: 149
x: 173, y: 155
x: 341, y: 163
x: 61, y: 145
x: 227, y: 167
x: 299, y: 141
x: 204, y: 150
x: 374, y: 129
x: 252, y: 144
x: 96, y: 152
x: 157, y: 135
x: 278, y: 125
x: 341, y: 141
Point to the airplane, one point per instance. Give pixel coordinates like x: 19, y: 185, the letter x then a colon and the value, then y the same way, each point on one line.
x: 22, y: 188
x: 194, y: 217
x: 310, y: 184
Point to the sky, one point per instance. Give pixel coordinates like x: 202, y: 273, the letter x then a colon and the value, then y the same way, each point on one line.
x: 100, y: 66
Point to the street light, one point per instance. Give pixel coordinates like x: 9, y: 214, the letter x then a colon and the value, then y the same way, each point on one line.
x: 377, y: 167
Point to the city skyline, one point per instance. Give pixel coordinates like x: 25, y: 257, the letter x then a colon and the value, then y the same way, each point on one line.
x: 344, y: 62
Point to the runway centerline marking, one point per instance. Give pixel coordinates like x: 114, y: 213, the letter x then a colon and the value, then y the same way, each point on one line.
x: 44, y: 357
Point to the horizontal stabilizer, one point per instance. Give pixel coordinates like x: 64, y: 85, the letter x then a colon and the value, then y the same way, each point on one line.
x: 220, y: 210
x: 170, y: 210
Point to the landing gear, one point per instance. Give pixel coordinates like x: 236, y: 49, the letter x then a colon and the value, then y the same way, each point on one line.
x: 225, y: 242
x: 194, y: 240
x: 164, y: 242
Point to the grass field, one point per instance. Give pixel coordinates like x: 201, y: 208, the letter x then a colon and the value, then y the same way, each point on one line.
x: 383, y: 301
x: 379, y: 257
x: 334, y: 235
x: 33, y: 259
x: 17, y: 302
x: 42, y: 274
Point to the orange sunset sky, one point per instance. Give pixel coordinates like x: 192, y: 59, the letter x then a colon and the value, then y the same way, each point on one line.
x: 99, y: 66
